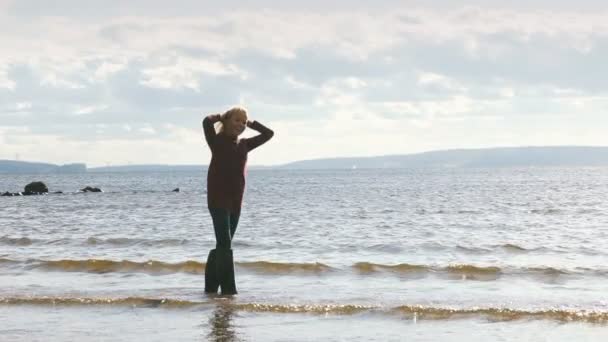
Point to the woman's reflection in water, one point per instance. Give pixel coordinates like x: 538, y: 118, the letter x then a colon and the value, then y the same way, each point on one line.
x: 222, y: 329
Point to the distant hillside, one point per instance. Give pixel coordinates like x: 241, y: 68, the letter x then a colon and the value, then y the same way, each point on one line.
x: 13, y: 166
x: 148, y: 168
x: 157, y: 168
x: 465, y: 158
x: 490, y: 157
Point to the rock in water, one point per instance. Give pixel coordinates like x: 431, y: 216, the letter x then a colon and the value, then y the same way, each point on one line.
x: 176, y: 190
x: 36, y: 188
x: 91, y: 189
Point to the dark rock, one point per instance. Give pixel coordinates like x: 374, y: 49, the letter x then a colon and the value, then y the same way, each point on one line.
x: 26, y: 193
x: 10, y: 194
x: 91, y: 189
x: 35, y: 188
x: 32, y: 193
x: 176, y: 190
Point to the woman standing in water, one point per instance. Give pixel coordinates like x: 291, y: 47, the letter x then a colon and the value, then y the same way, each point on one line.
x: 225, y: 188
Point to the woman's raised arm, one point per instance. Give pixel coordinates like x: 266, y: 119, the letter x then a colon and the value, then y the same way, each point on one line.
x: 208, y: 128
x: 265, y: 135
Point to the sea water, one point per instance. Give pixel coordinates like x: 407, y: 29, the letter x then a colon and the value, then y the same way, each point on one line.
x: 334, y: 255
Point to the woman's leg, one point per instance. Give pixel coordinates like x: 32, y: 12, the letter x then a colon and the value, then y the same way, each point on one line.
x: 222, y: 227
x: 212, y: 281
x: 234, y: 221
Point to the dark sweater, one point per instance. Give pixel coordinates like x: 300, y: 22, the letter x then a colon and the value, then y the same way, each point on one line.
x: 227, y: 170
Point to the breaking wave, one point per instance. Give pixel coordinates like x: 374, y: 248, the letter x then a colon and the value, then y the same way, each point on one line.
x: 417, y: 312
x: 463, y: 271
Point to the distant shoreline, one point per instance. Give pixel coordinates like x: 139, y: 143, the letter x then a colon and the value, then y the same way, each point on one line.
x: 463, y: 158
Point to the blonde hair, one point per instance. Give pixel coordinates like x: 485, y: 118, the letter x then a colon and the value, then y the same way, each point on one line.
x: 219, y: 126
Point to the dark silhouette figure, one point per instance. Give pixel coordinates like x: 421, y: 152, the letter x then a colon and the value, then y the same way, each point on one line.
x: 225, y: 189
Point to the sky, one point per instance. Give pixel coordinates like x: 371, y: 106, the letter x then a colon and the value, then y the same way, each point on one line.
x: 128, y: 82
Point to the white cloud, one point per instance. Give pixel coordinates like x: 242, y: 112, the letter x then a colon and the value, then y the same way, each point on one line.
x: 21, y: 106
x: 5, y: 81
x: 296, y: 84
x: 186, y: 73
x: 507, y: 92
x: 430, y: 79
x: 55, y: 80
x: 337, y: 92
x: 89, y: 109
x: 366, y: 79
x: 147, y: 130
x: 106, y: 69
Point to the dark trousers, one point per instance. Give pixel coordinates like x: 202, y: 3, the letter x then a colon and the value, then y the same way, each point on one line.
x: 224, y: 225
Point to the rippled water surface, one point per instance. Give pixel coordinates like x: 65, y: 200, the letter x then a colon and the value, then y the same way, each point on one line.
x: 369, y: 255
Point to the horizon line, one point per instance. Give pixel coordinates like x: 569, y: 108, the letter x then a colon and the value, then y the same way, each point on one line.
x: 93, y: 166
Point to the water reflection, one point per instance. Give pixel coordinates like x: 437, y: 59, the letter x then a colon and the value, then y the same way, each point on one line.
x: 222, y: 327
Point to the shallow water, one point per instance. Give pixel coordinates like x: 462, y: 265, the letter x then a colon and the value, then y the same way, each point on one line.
x: 334, y: 255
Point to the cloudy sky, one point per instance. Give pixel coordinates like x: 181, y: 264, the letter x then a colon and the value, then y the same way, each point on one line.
x: 118, y: 82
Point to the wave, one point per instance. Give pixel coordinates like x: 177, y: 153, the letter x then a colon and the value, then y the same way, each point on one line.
x: 278, y: 268
x: 124, y: 266
x: 133, y: 242
x: 472, y: 272
x: 549, y: 271
x: 337, y: 309
x: 8, y: 262
x: 469, y: 212
x: 176, y: 303
x: 503, y: 314
x: 473, y: 250
x: 547, y: 211
x: 115, y: 241
x: 22, y: 241
x: 463, y: 271
x: 508, y: 247
x: 487, y: 249
x: 416, y: 312
x: 387, y: 248
x: 159, y: 267
x: 441, y: 212
x: 128, y: 301
x: 368, y: 267
x: 472, y: 269
x: 93, y: 241
x: 514, y: 248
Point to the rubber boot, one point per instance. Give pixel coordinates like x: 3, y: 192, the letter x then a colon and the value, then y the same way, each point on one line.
x: 225, y: 271
x: 211, y: 280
